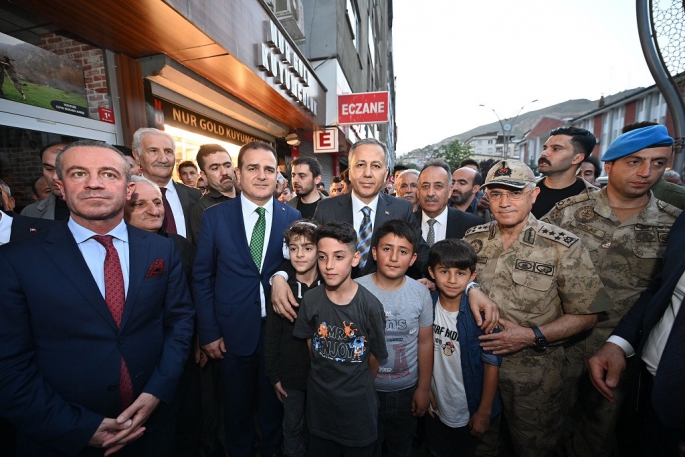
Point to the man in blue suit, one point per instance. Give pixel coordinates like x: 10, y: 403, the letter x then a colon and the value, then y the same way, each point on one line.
x: 239, y: 247
x: 92, y: 358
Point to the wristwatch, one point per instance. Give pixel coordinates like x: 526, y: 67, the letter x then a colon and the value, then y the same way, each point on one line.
x: 472, y: 285
x: 541, y: 342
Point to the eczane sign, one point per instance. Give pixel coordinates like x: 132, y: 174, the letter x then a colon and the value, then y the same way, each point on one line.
x: 363, y: 108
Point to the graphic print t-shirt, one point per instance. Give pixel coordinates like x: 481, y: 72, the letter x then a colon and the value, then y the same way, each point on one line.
x: 341, y: 403
x: 448, y: 380
x: 406, y: 309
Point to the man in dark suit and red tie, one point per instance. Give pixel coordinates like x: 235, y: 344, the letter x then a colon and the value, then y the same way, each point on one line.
x: 240, y: 246
x: 90, y: 360
x: 654, y: 332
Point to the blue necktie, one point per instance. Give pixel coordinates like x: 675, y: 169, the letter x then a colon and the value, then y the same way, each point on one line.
x: 364, y: 239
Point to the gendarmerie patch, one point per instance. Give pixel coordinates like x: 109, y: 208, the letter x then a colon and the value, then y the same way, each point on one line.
x: 477, y: 245
x: 534, y: 267
x: 529, y: 236
x: 645, y: 236
x: 585, y: 214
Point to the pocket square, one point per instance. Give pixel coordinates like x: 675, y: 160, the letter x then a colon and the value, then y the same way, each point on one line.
x: 156, y: 269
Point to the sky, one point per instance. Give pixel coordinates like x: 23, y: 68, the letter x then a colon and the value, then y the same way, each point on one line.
x: 451, y: 56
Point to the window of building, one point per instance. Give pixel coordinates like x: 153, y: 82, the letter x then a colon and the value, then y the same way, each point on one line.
x: 491, y: 141
x: 372, y: 46
x: 489, y: 150
x: 353, y: 21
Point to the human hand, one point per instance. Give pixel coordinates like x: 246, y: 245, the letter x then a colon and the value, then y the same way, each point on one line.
x: 199, y: 354
x: 511, y: 338
x: 433, y: 404
x: 135, y: 415
x: 605, y: 369
x: 420, y: 402
x: 428, y: 283
x: 484, y: 202
x: 282, y: 298
x: 479, y: 302
x: 215, y: 349
x: 479, y: 423
x: 280, y: 391
x: 107, y: 429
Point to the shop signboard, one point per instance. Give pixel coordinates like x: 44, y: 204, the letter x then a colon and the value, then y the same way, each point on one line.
x: 326, y: 140
x: 41, y: 78
x: 363, y: 108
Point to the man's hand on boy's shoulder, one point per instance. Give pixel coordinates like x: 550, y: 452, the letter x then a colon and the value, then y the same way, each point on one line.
x: 479, y: 302
x: 282, y: 298
x: 428, y: 283
x: 420, y: 402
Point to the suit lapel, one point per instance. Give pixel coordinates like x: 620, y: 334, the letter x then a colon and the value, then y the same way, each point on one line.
x: 452, y: 223
x: 182, y: 196
x: 138, y: 263
x: 62, y: 249
x: 278, y: 226
x: 383, y: 211
x: 344, y: 210
x: 233, y: 212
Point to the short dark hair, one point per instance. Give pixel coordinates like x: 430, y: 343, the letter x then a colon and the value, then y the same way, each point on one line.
x: 34, y: 188
x: 336, y: 180
x: 91, y: 144
x: 440, y: 163
x: 45, y: 148
x: 453, y: 253
x: 185, y: 164
x: 301, y: 229
x: 397, y: 227
x: 343, y: 232
x: 314, y: 165
x: 466, y: 162
x: 345, y: 176
x: 595, y: 163
x: 255, y: 145
x: 399, y: 167
x: 128, y: 152
x: 205, y: 150
x: 638, y: 125
x: 583, y: 141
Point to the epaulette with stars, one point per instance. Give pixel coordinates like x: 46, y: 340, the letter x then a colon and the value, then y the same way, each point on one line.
x: 479, y: 228
x: 556, y: 234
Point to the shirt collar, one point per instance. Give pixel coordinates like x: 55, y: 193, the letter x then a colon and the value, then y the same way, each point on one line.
x: 357, y: 204
x: 170, y: 188
x: 82, y: 234
x: 441, y: 218
x: 250, y: 207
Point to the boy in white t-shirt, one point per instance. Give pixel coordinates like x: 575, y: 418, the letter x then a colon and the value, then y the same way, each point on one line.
x: 464, y: 385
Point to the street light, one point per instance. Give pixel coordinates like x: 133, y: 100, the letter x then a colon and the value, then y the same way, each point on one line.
x: 506, y: 128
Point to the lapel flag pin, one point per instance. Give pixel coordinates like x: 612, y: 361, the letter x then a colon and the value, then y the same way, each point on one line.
x: 283, y: 209
x: 387, y: 213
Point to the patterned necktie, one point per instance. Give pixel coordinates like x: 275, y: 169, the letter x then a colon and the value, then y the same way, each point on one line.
x: 115, y: 297
x: 169, y: 224
x: 668, y: 396
x: 257, y: 240
x: 430, y: 239
x: 364, y: 239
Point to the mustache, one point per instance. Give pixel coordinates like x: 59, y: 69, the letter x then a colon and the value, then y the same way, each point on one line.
x: 431, y: 199
x: 161, y: 165
x: 543, y: 160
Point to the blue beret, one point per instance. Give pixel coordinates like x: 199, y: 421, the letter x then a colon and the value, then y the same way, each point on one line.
x: 637, y: 140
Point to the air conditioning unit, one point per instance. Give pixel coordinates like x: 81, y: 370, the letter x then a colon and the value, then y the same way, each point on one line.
x: 290, y: 13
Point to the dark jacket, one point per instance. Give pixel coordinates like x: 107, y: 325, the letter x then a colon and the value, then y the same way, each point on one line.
x: 472, y: 356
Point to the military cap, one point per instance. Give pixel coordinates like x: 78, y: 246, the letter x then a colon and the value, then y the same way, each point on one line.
x: 637, y: 140
x: 510, y: 173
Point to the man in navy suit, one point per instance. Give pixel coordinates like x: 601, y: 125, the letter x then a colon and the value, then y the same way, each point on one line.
x: 240, y: 246
x: 92, y: 358
x: 654, y: 331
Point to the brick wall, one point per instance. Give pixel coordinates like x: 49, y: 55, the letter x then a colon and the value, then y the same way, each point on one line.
x: 91, y: 60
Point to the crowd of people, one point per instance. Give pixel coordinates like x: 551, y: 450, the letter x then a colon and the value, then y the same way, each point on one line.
x: 433, y: 312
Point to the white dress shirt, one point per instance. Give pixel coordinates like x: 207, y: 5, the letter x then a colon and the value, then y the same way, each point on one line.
x: 94, y: 253
x: 439, y: 228
x: 5, y: 228
x: 657, y: 338
x: 250, y: 218
x: 358, y: 215
x: 176, y: 208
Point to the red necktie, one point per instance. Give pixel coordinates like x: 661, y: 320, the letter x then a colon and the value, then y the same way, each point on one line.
x: 169, y: 225
x: 115, y: 297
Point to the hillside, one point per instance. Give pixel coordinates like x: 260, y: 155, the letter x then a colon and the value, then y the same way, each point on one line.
x: 568, y: 109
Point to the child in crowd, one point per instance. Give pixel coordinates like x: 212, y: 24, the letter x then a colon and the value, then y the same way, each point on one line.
x: 344, y: 327
x: 464, y: 385
x: 287, y: 357
x: 403, y: 381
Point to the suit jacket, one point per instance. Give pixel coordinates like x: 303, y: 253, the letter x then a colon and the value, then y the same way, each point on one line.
x: 188, y: 196
x: 60, y: 349
x: 339, y: 208
x: 23, y: 226
x: 226, y: 280
x: 653, y: 302
x: 44, y: 209
x: 458, y: 222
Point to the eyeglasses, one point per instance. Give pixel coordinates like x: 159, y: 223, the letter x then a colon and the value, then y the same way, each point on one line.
x: 513, y: 195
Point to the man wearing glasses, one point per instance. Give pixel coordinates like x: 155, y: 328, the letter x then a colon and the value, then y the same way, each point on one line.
x: 547, y: 290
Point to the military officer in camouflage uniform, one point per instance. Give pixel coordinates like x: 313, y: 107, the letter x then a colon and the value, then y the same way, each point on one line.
x: 625, y: 228
x: 547, y: 290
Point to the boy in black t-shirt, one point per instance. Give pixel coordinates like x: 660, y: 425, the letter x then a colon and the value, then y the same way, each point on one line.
x: 287, y: 357
x: 345, y: 328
